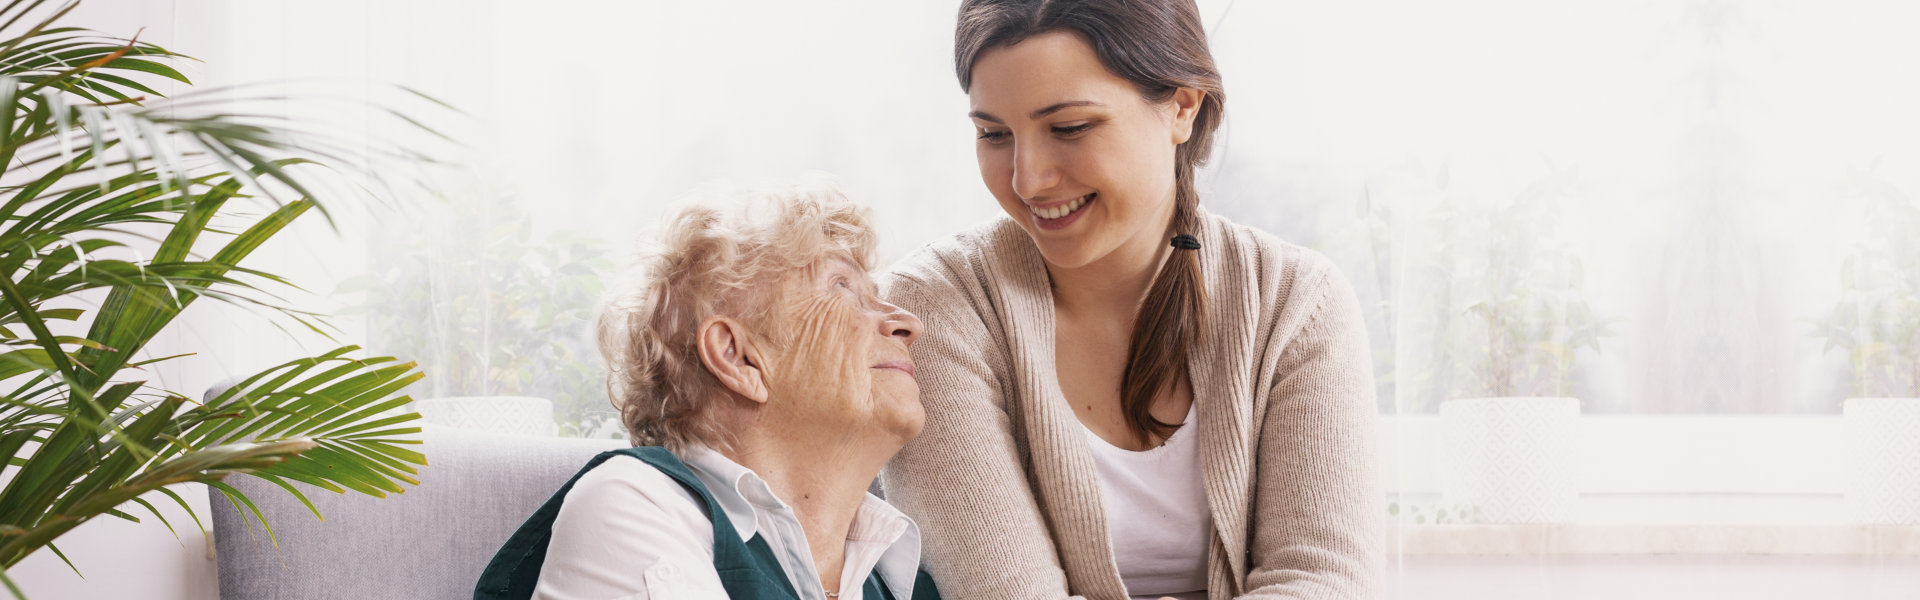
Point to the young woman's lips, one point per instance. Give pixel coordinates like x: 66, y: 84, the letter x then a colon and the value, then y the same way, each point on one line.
x: 897, y: 365
x: 1059, y: 216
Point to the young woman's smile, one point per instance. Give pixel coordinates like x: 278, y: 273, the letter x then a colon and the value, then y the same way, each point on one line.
x: 1058, y: 215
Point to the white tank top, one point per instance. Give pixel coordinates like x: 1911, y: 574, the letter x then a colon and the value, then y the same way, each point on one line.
x: 1157, y: 514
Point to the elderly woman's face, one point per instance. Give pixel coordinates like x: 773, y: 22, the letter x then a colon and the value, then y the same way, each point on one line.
x: 846, y: 366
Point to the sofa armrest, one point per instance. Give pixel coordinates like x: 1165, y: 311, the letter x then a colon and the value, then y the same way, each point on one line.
x: 430, y: 542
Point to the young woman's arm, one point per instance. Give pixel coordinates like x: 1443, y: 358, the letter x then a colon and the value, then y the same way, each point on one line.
x: 1317, y: 514
x: 962, y: 479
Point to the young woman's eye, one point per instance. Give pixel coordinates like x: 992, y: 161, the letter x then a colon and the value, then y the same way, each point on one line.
x: 995, y: 137
x: 1072, y: 130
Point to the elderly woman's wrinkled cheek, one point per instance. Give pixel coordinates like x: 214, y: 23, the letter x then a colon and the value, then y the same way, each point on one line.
x: 826, y: 360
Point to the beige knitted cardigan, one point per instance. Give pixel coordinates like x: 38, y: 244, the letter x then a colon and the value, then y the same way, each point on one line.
x: 1004, y: 487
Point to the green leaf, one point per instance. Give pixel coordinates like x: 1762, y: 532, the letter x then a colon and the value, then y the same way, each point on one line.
x: 12, y: 587
x: 121, y: 463
x: 64, y: 559
x: 184, y: 506
x: 37, y: 484
x: 48, y: 343
x: 156, y: 515
x: 297, y: 495
x: 237, y: 498
x: 25, y: 360
x: 38, y: 29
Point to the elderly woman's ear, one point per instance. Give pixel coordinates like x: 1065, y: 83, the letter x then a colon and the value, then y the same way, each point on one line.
x: 727, y: 349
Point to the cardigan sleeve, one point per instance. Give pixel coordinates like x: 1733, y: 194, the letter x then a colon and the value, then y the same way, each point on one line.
x: 963, y: 479
x: 1318, y: 514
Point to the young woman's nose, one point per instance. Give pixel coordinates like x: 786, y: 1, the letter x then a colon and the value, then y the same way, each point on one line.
x: 1034, y: 170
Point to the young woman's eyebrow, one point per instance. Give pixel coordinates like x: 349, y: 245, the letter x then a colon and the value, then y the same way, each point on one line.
x: 1063, y: 106
x: 982, y: 115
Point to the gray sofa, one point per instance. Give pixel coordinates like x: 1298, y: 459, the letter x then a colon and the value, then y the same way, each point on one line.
x: 429, y: 543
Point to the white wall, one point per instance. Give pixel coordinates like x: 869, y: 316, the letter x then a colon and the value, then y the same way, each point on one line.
x: 118, y: 559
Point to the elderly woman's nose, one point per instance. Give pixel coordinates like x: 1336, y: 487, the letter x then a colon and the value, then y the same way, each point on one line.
x: 899, y: 323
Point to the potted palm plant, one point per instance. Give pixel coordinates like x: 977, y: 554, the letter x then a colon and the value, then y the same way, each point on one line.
x: 119, y: 209
x: 1508, y: 433
x: 1877, y: 324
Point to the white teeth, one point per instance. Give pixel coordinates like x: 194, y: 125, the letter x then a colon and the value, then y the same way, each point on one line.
x: 1061, y: 210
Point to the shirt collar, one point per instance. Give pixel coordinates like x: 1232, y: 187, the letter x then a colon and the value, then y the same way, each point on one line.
x: 879, y: 522
x: 731, y: 485
x: 742, y: 494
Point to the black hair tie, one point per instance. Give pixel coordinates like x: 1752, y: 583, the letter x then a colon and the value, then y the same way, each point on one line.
x: 1186, y: 242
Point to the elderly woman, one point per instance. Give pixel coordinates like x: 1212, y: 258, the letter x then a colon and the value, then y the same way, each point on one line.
x: 764, y: 383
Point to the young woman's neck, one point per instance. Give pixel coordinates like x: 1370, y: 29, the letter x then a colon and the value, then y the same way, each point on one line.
x: 1114, y: 283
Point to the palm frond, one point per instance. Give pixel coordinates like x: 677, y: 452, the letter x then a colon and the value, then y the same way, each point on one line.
x: 108, y: 189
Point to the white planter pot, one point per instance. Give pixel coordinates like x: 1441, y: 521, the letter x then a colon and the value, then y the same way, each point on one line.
x: 1882, y: 460
x: 499, y: 414
x: 1510, y: 457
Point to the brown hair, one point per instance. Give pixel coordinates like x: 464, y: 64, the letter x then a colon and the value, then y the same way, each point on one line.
x: 1159, y: 46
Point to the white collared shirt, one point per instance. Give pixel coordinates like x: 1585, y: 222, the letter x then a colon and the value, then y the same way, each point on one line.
x: 629, y: 532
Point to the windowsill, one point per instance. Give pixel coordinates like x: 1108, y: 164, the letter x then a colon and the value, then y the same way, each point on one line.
x: 1602, y: 539
x: 1657, y: 484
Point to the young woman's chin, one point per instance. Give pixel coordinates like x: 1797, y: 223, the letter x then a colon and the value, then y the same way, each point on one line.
x: 1068, y: 254
x: 1090, y: 242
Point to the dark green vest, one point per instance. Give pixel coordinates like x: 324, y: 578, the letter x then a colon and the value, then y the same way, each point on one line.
x: 747, y: 569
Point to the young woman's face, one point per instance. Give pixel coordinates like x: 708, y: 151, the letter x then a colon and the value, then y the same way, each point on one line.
x: 1073, y: 152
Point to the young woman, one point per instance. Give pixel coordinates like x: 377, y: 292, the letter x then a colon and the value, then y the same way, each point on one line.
x: 1127, y: 396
